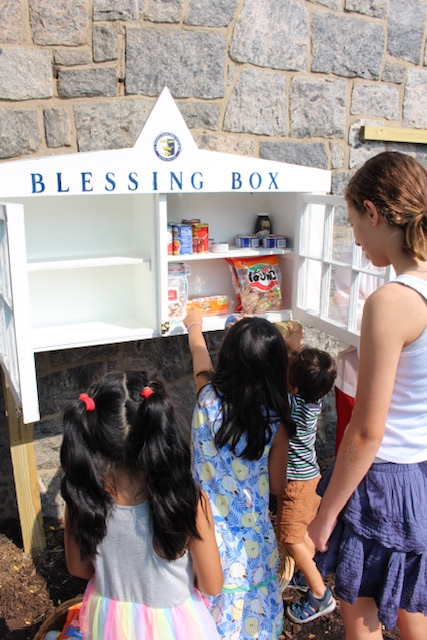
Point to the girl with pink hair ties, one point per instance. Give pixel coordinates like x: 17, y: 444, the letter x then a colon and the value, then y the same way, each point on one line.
x: 137, y: 525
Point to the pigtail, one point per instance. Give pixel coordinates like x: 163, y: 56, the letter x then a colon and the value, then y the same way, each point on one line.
x: 82, y: 485
x: 165, y: 457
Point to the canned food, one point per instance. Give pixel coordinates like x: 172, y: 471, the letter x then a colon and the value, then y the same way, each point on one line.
x: 200, y: 237
x: 182, y: 239
x: 247, y: 241
x: 274, y: 242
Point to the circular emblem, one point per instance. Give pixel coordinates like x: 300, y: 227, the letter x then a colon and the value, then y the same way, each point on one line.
x: 167, y: 146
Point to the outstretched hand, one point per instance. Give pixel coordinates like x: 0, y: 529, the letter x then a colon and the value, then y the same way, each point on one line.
x: 192, y: 316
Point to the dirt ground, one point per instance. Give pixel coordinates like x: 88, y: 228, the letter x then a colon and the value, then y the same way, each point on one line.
x: 32, y: 587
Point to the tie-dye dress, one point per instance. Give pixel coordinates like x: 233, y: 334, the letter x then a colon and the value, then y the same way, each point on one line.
x: 250, y: 605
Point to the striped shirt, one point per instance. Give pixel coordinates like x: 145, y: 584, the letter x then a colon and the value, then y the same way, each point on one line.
x: 302, y: 457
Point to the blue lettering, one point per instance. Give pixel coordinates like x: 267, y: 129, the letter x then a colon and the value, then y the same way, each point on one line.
x: 251, y: 180
x: 86, y: 176
x: 273, y: 180
x: 37, y: 179
x: 109, y: 178
x: 59, y: 181
x: 199, y: 185
x: 236, y: 182
x: 154, y: 180
x: 133, y: 179
x: 177, y: 180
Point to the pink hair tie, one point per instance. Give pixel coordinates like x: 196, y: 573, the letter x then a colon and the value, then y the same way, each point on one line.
x: 146, y: 392
x: 89, y: 402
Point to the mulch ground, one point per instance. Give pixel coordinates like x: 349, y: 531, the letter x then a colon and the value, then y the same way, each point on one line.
x: 32, y: 587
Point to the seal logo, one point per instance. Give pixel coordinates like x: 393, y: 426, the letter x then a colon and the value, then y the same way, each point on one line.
x: 167, y: 146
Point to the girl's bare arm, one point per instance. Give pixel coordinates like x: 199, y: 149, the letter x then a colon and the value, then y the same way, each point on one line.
x: 204, y: 553
x: 278, y: 461
x: 202, y: 363
x: 75, y: 565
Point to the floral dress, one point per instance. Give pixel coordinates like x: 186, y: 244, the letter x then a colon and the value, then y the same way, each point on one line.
x: 250, y: 604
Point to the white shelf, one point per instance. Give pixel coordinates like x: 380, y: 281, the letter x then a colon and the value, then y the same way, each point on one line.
x: 86, y: 334
x: 85, y: 262
x: 233, y: 252
x: 217, y: 323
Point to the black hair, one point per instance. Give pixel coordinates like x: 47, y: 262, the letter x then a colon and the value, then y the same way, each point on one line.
x: 128, y: 430
x: 250, y: 377
x: 313, y: 371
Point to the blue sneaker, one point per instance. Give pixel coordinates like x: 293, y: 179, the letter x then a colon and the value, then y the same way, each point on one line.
x: 309, y: 608
x: 298, y: 582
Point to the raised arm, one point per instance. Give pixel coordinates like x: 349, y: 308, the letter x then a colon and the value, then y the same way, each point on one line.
x: 382, y: 339
x: 202, y: 364
x: 204, y: 553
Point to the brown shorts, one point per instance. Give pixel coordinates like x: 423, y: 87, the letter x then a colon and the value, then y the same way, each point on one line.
x: 296, y: 509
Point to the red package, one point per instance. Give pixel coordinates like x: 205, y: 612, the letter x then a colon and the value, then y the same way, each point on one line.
x: 257, y: 282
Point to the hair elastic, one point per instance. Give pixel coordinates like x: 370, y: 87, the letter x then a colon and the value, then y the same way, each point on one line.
x: 89, y: 402
x: 146, y: 392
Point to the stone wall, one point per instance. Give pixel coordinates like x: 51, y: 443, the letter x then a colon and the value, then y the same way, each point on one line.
x: 287, y: 80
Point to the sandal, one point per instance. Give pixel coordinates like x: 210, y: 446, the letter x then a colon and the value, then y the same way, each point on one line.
x: 298, y: 582
x: 309, y: 608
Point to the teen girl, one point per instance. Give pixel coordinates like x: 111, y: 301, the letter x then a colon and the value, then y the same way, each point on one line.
x: 371, y: 526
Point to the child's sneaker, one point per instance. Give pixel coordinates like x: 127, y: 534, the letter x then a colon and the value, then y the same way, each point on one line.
x: 309, y: 608
x: 298, y: 582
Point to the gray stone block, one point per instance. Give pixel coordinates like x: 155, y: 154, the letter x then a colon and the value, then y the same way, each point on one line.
x: 151, y: 63
x: 11, y: 22
x: 272, y: 33
x: 337, y: 155
x: 243, y: 146
x: 317, y: 107
x: 110, y: 124
x: 406, y: 29
x: 415, y: 99
x: 211, y: 13
x: 115, y: 10
x: 68, y: 57
x: 59, y: 22
x: 105, y: 43
x: 87, y: 83
x: 200, y: 115
x: 346, y: 46
x: 393, y: 73
x: 372, y: 8
x: 20, y: 132
x: 25, y: 74
x: 164, y: 10
x: 308, y: 154
x: 258, y: 104
x: 57, y: 125
x: 375, y: 99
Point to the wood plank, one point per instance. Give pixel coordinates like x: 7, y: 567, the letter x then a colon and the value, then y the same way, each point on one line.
x: 25, y: 475
x: 394, y: 134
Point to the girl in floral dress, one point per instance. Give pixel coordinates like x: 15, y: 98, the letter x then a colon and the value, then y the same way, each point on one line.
x: 241, y: 426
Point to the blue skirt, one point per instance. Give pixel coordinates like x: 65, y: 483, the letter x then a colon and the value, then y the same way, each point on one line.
x: 379, y: 547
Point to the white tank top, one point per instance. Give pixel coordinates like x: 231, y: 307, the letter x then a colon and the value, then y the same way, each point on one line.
x: 405, y: 437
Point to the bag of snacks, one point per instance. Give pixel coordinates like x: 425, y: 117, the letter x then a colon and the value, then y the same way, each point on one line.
x: 257, y: 283
x: 177, y: 290
x: 209, y: 305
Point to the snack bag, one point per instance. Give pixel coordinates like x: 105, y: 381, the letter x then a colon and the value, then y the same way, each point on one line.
x: 71, y: 627
x: 209, y: 305
x: 257, y: 283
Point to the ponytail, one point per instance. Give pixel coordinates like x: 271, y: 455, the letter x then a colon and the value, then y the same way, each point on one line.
x: 165, y: 456
x: 82, y: 485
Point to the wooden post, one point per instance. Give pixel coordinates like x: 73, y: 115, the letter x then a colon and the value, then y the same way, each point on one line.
x: 25, y: 474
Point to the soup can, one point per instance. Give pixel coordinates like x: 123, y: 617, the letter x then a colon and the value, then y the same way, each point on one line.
x: 274, y: 242
x: 247, y: 241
